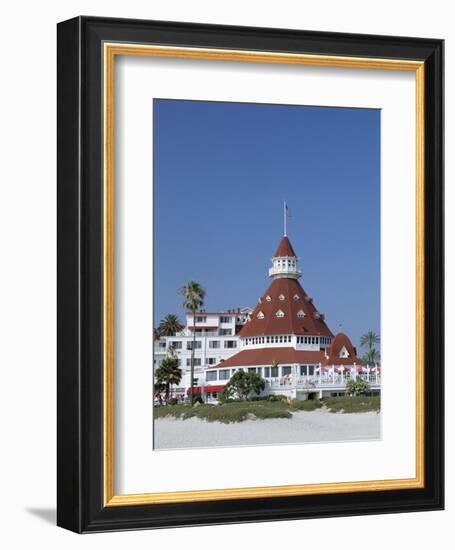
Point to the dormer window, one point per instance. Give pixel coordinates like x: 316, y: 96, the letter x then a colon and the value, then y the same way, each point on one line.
x: 259, y: 301
x: 260, y: 315
x: 301, y: 313
x: 279, y: 313
x: 344, y: 352
x: 268, y: 298
x: 296, y: 297
x: 281, y: 297
x: 317, y: 315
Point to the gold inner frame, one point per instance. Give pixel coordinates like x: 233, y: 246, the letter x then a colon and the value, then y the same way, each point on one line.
x: 110, y: 51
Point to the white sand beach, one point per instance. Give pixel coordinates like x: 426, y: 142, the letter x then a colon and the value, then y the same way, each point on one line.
x: 303, y: 427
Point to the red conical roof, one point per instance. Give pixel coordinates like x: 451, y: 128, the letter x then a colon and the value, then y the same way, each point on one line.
x: 339, y: 342
x: 296, y: 312
x: 284, y: 248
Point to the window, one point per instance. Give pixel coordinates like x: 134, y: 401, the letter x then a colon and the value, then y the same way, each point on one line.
x: 197, y: 362
x: 162, y: 345
x: 189, y: 345
x: 268, y: 339
x: 260, y: 315
x: 303, y: 370
x: 211, y: 375
x: 225, y: 331
x: 296, y: 297
x: 311, y: 370
x: 317, y: 315
x: 273, y: 372
x: 201, y: 319
x: 279, y: 313
x: 211, y: 360
x: 251, y: 369
x: 214, y: 344
x: 266, y: 372
x: 285, y: 371
x: 175, y: 345
x: 259, y: 371
x: 268, y: 298
x: 229, y: 344
x: 300, y: 313
x: 224, y: 374
x: 225, y: 319
x: 281, y: 297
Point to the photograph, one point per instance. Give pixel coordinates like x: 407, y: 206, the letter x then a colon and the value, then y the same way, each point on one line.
x: 267, y: 290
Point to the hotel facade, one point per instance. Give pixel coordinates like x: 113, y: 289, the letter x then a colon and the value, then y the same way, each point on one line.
x: 285, y: 339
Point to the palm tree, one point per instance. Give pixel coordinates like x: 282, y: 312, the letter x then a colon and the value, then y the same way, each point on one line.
x: 168, y: 374
x: 158, y: 389
x: 193, y: 299
x: 169, y: 325
x: 371, y: 357
x: 369, y: 339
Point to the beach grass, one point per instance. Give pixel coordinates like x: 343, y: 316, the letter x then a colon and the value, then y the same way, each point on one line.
x: 238, y: 411
x: 352, y: 404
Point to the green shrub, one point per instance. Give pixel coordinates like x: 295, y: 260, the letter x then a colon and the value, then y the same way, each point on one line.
x: 357, y: 386
x: 307, y: 405
x: 360, y: 403
x: 275, y: 398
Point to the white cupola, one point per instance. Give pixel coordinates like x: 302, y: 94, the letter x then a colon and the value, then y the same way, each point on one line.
x: 285, y: 263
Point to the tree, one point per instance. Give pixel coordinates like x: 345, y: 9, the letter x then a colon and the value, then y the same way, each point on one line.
x: 158, y: 389
x: 242, y: 385
x: 169, y: 325
x: 368, y: 340
x: 193, y: 299
x: 168, y: 374
x: 371, y: 357
x: 357, y: 386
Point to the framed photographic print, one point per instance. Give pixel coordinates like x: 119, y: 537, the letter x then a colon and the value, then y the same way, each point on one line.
x: 250, y: 274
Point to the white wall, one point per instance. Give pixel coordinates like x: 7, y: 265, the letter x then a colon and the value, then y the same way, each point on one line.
x: 27, y: 289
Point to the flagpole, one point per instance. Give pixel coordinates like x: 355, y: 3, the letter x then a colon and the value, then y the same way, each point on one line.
x: 284, y: 217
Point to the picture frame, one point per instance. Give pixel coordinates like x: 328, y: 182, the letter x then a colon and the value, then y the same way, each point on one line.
x: 87, y: 49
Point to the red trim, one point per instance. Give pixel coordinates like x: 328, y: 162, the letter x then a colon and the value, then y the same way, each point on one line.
x: 207, y: 389
x: 203, y: 326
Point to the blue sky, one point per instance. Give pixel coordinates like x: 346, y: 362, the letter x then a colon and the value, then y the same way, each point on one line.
x: 221, y: 173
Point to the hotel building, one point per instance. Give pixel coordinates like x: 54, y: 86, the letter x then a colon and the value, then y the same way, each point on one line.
x: 285, y: 339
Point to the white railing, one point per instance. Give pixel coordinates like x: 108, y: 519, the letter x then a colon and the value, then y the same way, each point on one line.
x: 318, y: 381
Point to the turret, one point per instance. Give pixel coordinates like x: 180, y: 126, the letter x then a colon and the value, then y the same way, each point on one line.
x: 285, y: 263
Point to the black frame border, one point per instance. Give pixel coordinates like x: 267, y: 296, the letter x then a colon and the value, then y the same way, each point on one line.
x: 80, y: 499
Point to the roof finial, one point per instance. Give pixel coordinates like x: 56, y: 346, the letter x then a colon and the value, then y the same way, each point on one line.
x: 285, y: 216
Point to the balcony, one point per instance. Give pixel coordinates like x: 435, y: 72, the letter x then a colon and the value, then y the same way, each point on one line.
x: 323, y: 381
